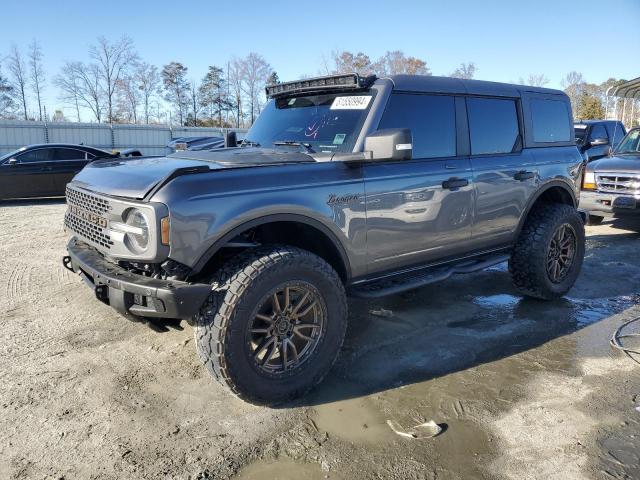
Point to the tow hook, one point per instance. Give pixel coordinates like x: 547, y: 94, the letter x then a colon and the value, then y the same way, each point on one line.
x: 66, y: 261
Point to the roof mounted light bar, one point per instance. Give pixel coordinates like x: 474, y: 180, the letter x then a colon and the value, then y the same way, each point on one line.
x: 350, y: 81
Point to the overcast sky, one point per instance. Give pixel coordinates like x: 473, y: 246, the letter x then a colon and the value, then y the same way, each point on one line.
x: 506, y: 39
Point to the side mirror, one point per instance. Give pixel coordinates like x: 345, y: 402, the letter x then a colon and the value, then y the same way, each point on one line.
x: 230, y: 140
x: 598, y: 141
x: 12, y: 161
x: 389, y: 144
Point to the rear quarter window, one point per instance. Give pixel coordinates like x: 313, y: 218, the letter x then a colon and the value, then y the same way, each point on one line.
x: 550, y: 121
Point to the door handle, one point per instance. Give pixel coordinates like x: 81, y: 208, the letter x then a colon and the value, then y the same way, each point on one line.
x: 524, y: 175
x: 453, y: 183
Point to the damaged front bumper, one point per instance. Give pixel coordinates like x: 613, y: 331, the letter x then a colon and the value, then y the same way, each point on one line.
x: 132, y: 294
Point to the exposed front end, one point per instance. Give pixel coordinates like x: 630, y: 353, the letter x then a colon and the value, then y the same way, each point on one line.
x: 611, y: 193
x: 120, y: 248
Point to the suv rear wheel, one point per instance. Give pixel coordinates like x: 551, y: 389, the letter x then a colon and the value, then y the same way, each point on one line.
x: 273, y: 324
x: 548, y: 254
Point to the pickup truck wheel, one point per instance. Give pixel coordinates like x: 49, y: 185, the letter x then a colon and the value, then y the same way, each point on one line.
x: 548, y: 254
x: 273, y: 324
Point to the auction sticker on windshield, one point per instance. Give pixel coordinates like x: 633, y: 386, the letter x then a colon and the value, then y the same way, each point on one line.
x: 356, y: 102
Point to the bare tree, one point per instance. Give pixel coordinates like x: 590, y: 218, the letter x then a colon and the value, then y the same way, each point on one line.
x: 112, y: 61
x: 573, y: 84
x: 81, y: 83
x: 255, y: 73
x: 194, y: 103
x: 465, y: 71
x: 69, y: 87
x: 147, y: 80
x: 347, y: 62
x: 235, y: 81
x: 36, y: 73
x: 176, y: 87
x: 396, y: 63
x: 18, y: 71
x: 535, y: 80
x: 6, y: 101
x: 128, y: 99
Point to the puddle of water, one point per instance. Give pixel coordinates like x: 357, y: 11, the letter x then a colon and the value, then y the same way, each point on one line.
x: 283, y: 469
x: 497, y: 301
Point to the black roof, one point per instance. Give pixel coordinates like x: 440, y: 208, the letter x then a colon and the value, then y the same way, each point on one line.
x: 424, y: 83
x: 62, y: 145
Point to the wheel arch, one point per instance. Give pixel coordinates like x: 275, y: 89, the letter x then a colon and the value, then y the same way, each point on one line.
x: 314, y: 237
x: 555, y: 191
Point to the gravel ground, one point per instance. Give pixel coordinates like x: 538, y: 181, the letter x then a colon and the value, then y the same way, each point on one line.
x: 523, y: 389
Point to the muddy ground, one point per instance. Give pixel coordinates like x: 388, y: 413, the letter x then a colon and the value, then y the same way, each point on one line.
x: 523, y: 389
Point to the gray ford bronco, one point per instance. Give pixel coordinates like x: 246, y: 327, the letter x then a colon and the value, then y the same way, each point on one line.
x: 345, y: 185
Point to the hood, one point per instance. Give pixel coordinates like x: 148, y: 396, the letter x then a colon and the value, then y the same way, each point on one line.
x: 622, y: 164
x: 136, y: 177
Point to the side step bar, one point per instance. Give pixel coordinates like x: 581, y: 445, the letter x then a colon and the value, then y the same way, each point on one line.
x: 409, y: 281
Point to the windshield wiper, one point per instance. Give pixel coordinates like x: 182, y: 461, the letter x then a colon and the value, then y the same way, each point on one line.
x: 295, y: 144
x: 250, y: 143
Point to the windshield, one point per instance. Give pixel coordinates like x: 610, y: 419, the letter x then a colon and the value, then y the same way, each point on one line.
x: 629, y: 144
x: 7, y: 156
x: 579, y: 133
x: 323, y: 123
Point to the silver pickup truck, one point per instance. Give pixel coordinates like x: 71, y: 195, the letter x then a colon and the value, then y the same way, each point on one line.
x: 345, y: 185
x: 611, y: 185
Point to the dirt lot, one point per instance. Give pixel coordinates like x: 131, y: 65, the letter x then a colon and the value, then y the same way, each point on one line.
x: 525, y: 389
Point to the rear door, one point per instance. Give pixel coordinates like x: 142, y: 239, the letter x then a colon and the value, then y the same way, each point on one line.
x: 419, y: 210
x: 29, y: 176
x: 66, y: 163
x: 504, y: 175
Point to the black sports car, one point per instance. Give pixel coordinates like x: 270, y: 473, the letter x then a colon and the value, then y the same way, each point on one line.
x: 44, y: 170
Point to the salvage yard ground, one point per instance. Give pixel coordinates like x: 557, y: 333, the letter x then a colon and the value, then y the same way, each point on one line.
x: 524, y: 389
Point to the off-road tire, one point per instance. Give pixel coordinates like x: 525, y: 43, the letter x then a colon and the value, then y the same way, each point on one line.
x: 527, y: 264
x: 595, y: 219
x: 223, y: 320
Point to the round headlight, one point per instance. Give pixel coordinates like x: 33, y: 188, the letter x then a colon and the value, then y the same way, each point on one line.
x: 138, y: 236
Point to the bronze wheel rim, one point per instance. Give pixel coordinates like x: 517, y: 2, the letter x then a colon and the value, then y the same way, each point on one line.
x: 286, y: 327
x: 561, y: 253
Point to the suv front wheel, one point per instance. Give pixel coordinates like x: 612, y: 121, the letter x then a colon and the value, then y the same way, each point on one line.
x: 547, y: 257
x: 273, y: 324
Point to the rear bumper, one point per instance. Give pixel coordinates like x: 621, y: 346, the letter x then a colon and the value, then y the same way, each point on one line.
x: 131, y: 294
x: 609, y: 204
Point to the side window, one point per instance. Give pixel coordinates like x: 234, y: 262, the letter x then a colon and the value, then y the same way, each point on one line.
x: 41, y: 155
x: 67, y: 154
x: 616, y: 132
x: 493, y: 125
x: 550, y: 121
x: 431, y: 118
x: 598, y: 131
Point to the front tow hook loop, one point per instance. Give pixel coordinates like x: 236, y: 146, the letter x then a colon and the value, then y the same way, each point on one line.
x: 66, y: 262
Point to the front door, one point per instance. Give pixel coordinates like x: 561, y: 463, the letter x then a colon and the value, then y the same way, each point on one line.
x: 66, y: 163
x: 29, y: 175
x: 419, y: 210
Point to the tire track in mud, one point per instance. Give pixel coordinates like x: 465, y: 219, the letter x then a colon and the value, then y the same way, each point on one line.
x: 26, y: 281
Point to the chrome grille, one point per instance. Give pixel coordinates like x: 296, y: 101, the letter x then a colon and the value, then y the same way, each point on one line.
x: 628, y: 183
x: 81, y: 226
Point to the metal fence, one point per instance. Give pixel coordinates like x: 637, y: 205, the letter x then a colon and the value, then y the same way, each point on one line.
x: 150, y: 139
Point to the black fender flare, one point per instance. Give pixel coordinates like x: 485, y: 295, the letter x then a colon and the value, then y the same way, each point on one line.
x: 263, y: 220
x: 566, y: 186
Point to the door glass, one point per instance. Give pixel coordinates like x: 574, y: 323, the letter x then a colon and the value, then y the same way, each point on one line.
x: 493, y: 125
x: 598, y: 131
x: 431, y: 118
x: 67, y: 154
x: 550, y: 119
x: 41, y: 155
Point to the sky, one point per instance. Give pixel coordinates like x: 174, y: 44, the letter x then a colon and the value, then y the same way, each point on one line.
x: 506, y: 40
